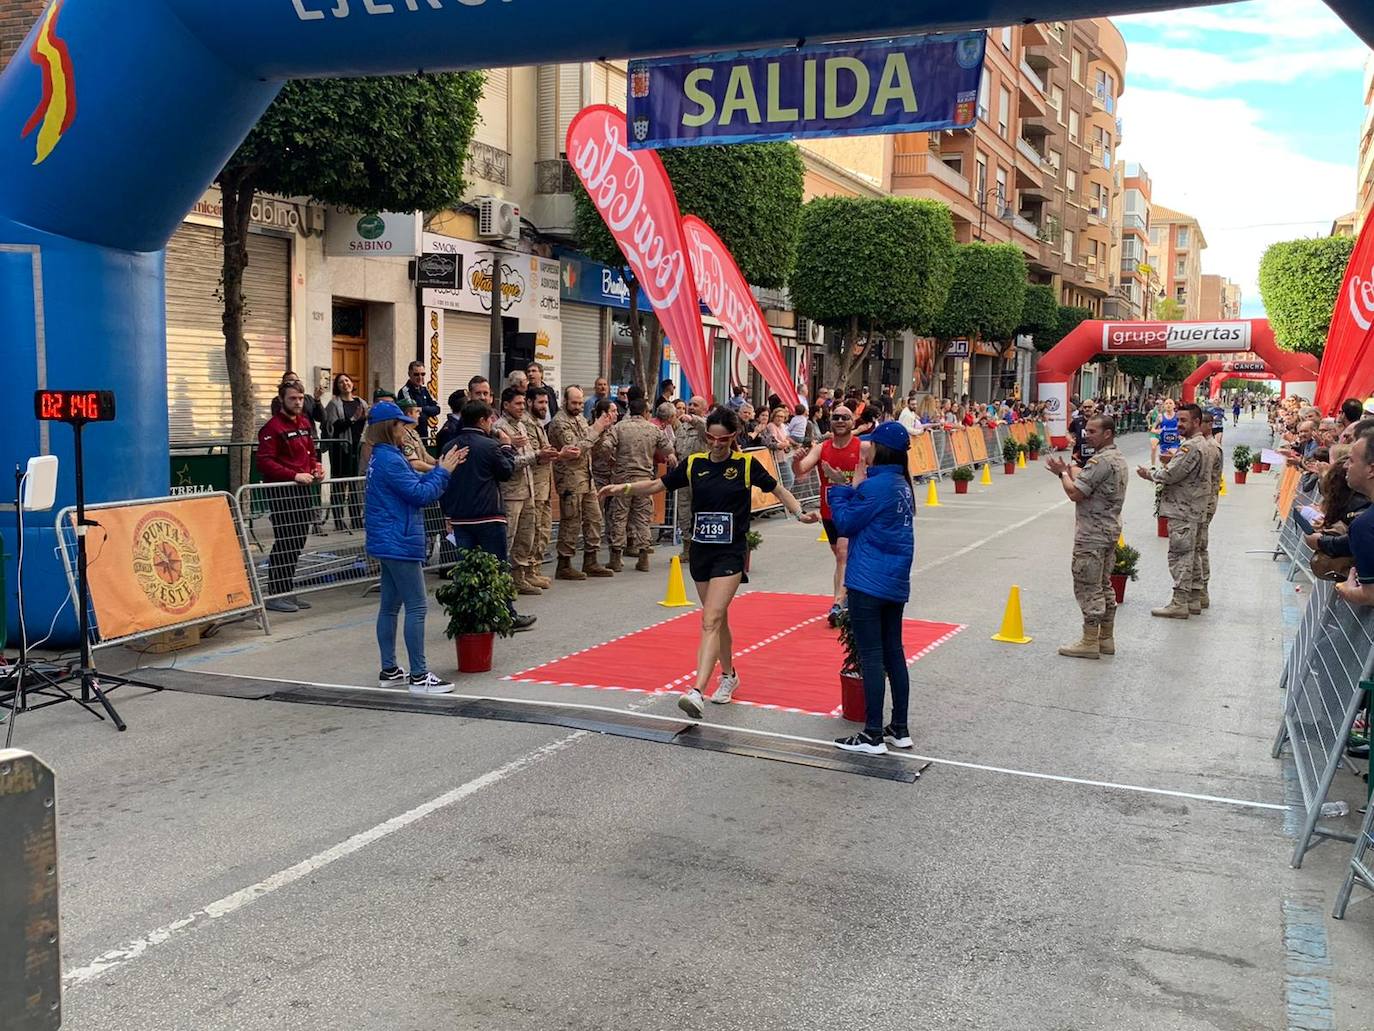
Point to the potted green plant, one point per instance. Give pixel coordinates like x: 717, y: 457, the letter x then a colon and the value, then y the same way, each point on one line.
x: 1010, y: 449
x: 1256, y: 466
x: 962, y: 477
x: 851, y: 671
x: 1124, y: 568
x: 1161, y: 521
x: 1241, y: 457
x: 1035, y: 444
x: 752, y: 540
x: 477, y: 597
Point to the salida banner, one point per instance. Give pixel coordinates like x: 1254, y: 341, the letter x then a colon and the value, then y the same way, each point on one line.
x: 910, y: 84
x: 635, y: 199
x: 723, y: 289
x: 1124, y: 337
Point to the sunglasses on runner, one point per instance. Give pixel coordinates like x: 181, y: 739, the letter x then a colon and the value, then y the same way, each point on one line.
x: 720, y: 438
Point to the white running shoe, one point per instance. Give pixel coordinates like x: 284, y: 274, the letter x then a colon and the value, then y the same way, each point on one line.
x: 725, y: 693
x: 690, y: 703
x: 428, y: 683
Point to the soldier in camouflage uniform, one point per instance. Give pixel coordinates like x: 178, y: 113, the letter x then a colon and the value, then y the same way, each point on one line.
x: 541, y: 479
x: 1186, y: 478
x: 634, y: 444
x: 689, y: 440
x: 579, y: 509
x: 518, y: 491
x: 1099, y: 491
x: 1202, y: 567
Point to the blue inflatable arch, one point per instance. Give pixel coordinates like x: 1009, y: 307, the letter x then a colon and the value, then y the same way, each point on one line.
x: 115, y: 116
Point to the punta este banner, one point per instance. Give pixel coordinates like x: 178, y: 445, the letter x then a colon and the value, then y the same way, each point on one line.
x: 723, y: 289
x: 915, y: 83
x: 635, y: 199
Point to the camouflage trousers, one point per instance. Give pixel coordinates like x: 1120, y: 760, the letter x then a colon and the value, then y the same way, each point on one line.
x: 1183, y: 538
x: 521, y: 517
x: 631, y: 521
x: 1092, y: 580
x: 579, y: 518
x: 543, y: 529
x: 1202, y: 561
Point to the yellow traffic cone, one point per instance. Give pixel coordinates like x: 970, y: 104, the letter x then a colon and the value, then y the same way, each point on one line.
x: 1020, y: 459
x: 1222, y: 493
x: 932, y: 495
x: 986, y: 480
x: 1121, y: 540
x: 823, y: 539
x: 676, y: 598
x: 1012, y: 631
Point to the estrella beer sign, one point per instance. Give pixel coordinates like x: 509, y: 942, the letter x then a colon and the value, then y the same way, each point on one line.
x: 911, y: 84
x: 56, y: 108
x: 1164, y: 337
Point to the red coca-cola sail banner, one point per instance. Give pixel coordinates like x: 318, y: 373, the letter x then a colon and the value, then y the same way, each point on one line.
x: 635, y: 198
x: 1347, y: 368
x: 723, y: 288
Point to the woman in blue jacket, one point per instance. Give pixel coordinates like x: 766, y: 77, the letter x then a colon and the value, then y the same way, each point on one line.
x: 876, y: 515
x: 396, y: 498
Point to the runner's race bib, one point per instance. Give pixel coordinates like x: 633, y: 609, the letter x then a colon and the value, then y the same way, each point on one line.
x: 714, y: 528
x: 1168, y: 440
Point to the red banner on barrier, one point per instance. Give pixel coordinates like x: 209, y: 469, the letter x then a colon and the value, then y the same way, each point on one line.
x: 635, y: 199
x: 724, y: 290
x: 1345, y: 370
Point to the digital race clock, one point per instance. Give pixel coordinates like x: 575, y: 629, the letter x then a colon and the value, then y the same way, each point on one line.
x: 74, y: 406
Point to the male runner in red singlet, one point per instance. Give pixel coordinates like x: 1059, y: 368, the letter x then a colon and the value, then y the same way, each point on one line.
x: 836, y: 458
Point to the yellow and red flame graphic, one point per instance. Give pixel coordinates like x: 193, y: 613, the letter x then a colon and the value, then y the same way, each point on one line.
x: 57, y: 109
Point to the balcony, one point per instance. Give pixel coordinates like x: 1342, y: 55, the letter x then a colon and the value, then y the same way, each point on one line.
x: 1028, y: 151
x: 1103, y: 100
x: 489, y: 163
x: 1130, y: 220
x: 1026, y: 226
x: 1039, y: 125
x: 554, y: 176
x: 1041, y: 56
x: 915, y: 165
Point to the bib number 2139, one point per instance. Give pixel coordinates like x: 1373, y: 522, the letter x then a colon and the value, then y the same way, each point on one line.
x: 714, y: 528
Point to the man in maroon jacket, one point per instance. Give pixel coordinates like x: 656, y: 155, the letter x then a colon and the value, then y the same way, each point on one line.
x: 286, y: 455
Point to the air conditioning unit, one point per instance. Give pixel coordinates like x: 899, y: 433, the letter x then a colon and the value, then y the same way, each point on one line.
x: 497, y: 219
x: 810, y: 333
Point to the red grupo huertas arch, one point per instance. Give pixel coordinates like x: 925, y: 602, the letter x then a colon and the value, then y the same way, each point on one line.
x: 1056, y: 367
x: 1220, y: 370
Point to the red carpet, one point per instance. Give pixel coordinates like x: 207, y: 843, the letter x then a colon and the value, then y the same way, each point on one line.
x: 787, y: 655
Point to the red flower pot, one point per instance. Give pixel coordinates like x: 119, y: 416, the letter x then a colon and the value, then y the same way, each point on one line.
x: 1163, y: 528
x: 961, y: 486
x: 1034, y: 456
x: 852, y: 698
x: 1240, y: 476
x: 474, y: 652
x: 1009, y: 468
x: 1257, y: 466
x: 1119, y: 587
x: 1265, y: 467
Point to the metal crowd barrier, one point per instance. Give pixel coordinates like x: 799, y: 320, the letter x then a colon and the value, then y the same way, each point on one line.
x: 1292, y: 542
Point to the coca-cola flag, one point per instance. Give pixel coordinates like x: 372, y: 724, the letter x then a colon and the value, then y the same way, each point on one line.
x: 724, y: 290
x: 635, y: 199
x: 1346, y: 369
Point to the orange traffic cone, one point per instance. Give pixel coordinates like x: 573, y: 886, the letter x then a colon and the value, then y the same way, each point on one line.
x: 1012, y: 632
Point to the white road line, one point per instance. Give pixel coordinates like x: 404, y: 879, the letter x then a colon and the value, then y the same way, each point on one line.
x: 987, y: 540
x: 958, y: 763
x: 130, y: 951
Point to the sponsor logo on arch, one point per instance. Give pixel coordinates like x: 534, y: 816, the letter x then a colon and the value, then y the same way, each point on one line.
x: 1119, y: 337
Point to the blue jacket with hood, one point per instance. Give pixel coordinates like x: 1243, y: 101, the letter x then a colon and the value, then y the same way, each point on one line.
x: 877, y: 517
x: 396, y: 496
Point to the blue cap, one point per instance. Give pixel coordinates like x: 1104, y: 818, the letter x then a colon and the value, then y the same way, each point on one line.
x: 384, y: 411
x: 890, y: 434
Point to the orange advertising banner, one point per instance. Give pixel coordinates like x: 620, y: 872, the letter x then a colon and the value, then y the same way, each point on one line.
x: 963, y: 451
x: 1288, y: 490
x: 921, y: 459
x: 978, y: 445
x: 165, y: 563
x: 762, y: 499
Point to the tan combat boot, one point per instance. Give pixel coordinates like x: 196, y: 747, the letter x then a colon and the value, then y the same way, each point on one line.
x: 538, y: 579
x: 643, y: 564
x: 1206, y: 601
x: 615, y: 565
x: 1086, y: 648
x: 591, y: 567
x: 1195, y: 603
x: 566, y: 571
x: 1176, y: 609
x: 522, y: 584
x: 1106, y: 635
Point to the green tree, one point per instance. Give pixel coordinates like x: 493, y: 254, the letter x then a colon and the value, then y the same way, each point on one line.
x: 1039, y: 311
x: 750, y: 194
x: 870, y: 265
x: 1170, y: 310
x: 397, y: 143
x: 1299, y: 281
x: 1254, y: 386
x: 1164, y: 368
x: 1066, y: 321
x: 988, y: 292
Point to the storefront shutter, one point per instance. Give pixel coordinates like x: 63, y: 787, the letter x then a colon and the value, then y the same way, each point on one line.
x: 197, y: 378
x: 493, y: 109
x: 467, y: 341
x: 581, y: 360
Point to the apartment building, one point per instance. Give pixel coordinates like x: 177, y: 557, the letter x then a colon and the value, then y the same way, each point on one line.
x: 1364, y: 188
x: 1230, y: 300
x: 1178, y: 240
x: 1137, y: 280
x: 1038, y: 167
x: 1220, y: 299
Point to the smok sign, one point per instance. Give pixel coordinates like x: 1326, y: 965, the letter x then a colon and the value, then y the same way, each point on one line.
x: 1161, y: 337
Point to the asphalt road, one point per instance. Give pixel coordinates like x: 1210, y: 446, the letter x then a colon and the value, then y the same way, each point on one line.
x: 244, y: 865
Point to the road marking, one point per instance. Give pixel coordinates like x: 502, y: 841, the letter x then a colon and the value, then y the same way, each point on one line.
x: 130, y: 951
x: 957, y: 763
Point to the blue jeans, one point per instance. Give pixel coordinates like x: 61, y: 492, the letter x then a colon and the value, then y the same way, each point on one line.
x: 877, y: 627
x: 488, y: 537
x: 403, y: 585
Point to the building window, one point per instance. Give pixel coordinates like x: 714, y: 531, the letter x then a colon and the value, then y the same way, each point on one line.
x: 1003, y: 198
x: 1181, y: 295
x: 1182, y: 236
x: 981, y: 180
x: 984, y: 94
x: 1006, y: 39
x: 1071, y: 182
x: 1056, y: 159
x: 1057, y: 102
x: 1154, y: 237
x: 1003, y: 111
x: 1068, y: 246
x: 1076, y: 65
x: 1181, y: 268
x: 1073, y: 126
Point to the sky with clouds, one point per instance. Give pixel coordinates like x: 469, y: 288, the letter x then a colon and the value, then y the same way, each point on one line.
x: 1248, y: 117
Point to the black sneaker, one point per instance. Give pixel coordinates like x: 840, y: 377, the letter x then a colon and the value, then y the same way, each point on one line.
x: 869, y: 745
x: 898, y: 737
x: 393, y: 676
x: 428, y: 683
x: 301, y: 603
x: 523, y: 622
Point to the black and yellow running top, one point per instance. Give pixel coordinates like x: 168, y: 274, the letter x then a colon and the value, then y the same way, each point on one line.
x: 720, y: 489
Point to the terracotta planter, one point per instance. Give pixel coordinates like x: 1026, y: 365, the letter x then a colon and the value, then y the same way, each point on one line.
x: 1240, y: 476
x: 852, y: 698
x: 961, y: 486
x: 1257, y: 466
x: 474, y: 652
x: 1119, y: 587
x: 1009, y: 468
x: 1265, y: 467
x: 1034, y: 456
x: 1163, y: 528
